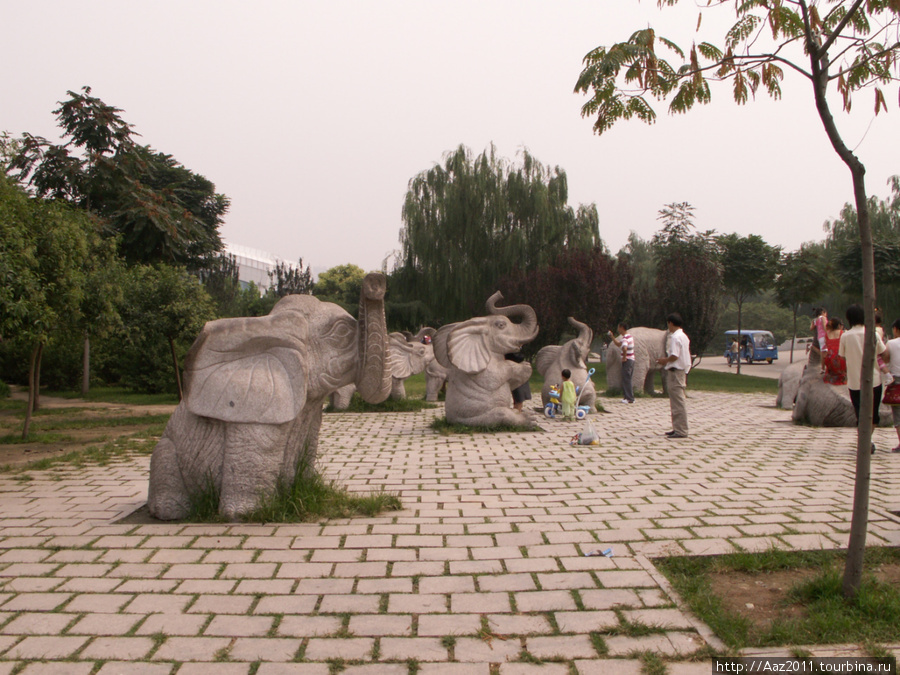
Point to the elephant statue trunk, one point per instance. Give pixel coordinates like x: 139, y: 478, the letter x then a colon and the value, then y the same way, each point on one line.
x: 254, y: 392
x: 528, y: 325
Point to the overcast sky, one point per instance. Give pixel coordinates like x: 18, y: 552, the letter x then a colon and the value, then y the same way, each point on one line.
x: 313, y: 116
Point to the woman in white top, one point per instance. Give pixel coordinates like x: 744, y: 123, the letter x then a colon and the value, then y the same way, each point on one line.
x: 851, y: 348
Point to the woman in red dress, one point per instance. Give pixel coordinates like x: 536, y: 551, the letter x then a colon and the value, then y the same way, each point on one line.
x: 835, y: 366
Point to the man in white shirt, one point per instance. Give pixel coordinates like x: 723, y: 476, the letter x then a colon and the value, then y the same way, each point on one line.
x: 851, y: 348
x: 677, y: 365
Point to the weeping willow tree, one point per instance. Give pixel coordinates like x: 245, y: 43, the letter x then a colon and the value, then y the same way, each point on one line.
x: 469, y: 222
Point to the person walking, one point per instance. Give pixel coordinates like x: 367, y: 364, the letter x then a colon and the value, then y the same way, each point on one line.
x: 677, y: 365
x: 625, y: 342
x: 892, y: 355
x: 851, y: 348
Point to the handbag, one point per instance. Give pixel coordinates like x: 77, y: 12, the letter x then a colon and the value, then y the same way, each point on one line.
x: 892, y: 394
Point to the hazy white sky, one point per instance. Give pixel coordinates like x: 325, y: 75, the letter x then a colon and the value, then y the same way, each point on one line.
x: 313, y: 116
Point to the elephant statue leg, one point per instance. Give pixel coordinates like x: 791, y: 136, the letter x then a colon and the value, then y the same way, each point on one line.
x: 340, y: 399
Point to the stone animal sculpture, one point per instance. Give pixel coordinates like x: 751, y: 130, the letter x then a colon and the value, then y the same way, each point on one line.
x: 649, y: 345
x: 408, y: 357
x: 480, y: 380
x: 820, y: 404
x: 254, y: 392
x: 825, y: 405
x: 435, y: 375
x: 553, y: 359
x: 788, y: 385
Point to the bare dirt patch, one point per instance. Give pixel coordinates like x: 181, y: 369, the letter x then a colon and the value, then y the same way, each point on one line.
x: 762, y: 597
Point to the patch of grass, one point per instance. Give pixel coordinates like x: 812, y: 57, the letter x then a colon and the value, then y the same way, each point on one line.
x: 358, y: 405
x: 96, y: 454
x: 311, y: 497
x: 870, y: 617
x: 70, y: 423
x: 445, y: 428
x: 120, y: 395
x: 709, y: 380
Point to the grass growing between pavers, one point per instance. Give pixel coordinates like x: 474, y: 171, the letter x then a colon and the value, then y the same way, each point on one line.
x: 445, y: 428
x: 102, y: 454
x: 308, y: 498
x: 809, y: 609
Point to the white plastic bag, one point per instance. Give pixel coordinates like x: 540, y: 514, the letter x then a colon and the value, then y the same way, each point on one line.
x: 587, y: 436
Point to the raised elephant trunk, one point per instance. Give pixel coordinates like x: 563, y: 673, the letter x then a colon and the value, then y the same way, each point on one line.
x: 374, y: 375
x: 528, y: 326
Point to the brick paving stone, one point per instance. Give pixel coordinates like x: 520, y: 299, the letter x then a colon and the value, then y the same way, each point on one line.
x: 264, y: 586
x: 176, y: 556
x: 97, y: 602
x: 375, y: 625
x: 118, y: 648
x: 293, y: 669
x: 377, y: 669
x: 33, y: 584
x: 398, y: 585
x: 243, y: 626
x: 302, y: 570
x: 609, y: 598
x: 534, y: 669
x: 150, y: 603
x: 506, y: 582
x: 103, y: 624
x: 452, y: 584
x: 219, y: 668
x: 324, y: 586
x: 145, y: 586
x: 89, y: 585
x: 221, y: 604
x: 412, y: 569
x: 437, y: 625
x: 660, y: 618
x: 191, y: 648
x: 545, y: 601
x: 188, y: 625
x: 532, y: 565
x: 191, y: 571
x: 565, y: 646
x: 402, y: 603
x: 565, y: 580
x: 621, y: 645
x: 264, y: 649
x: 517, y: 624
x: 480, y: 651
x: 337, y: 604
x: 38, y: 623
x: 36, y: 602
x: 308, y: 626
x: 286, y: 604
x: 46, y: 647
x: 454, y: 669
x: 479, y: 602
x: 206, y: 586
x: 687, y: 668
x: 617, y: 666
x: 586, y: 621
x: 350, y: 649
x: 51, y: 668
x: 419, y: 648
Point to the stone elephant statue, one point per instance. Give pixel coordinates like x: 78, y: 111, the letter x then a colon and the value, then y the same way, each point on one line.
x: 649, y: 345
x: 408, y: 357
x: 435, y: 375
x: 788, y: 385
x: 553, y: 359
x: 825, y: 405
x: 480, y: 379
x: 254, y: 392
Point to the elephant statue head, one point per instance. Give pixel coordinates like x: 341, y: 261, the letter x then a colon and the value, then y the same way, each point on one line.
x: 649, y: 345
x: 553, y: 359
x: 254, y: 390
x: 480, y: 379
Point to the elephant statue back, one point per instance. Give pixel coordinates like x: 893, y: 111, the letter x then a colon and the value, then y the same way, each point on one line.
x: 649, y: 345
x: 572, y: 356
x: 254, y: 392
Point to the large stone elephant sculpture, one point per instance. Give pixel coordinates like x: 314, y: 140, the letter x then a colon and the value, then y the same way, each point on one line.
x: 649, y: 345
x: 480, y: 379
x: 254, y: 392
x: 789, y: 385
x: 553, y: 359
x: 435, y: 375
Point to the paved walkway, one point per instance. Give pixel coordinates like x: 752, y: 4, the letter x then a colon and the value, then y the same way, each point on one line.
x: 483, y: 572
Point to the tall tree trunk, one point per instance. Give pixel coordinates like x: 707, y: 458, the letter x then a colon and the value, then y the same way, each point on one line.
x: 28, y: 408
x: 177, y: 370
x: 856, y: 546
x: 86, y: 367
x: 36, y: 401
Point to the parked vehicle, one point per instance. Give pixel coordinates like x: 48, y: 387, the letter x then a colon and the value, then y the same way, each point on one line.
x: 755, y: 345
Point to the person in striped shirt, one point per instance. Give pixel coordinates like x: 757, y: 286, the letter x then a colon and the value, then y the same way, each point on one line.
x: 625, y: 342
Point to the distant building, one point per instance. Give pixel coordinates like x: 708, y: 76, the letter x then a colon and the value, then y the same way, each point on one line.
x: 254, y: 265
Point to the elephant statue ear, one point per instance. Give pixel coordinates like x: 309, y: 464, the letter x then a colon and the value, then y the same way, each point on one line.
x: 407, y: 358
x: 249, y: 370
x: 464, y: 346
x: 546, y: 357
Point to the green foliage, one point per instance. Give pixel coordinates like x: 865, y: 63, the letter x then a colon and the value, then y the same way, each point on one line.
x: 341, y: 284
x: 760, y: 312
x: 358, y: 405
x: 160, y: 210
x: 749, y: 265
x: 290, y: 280
x: 164, y: 309
x: 470, y: 221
